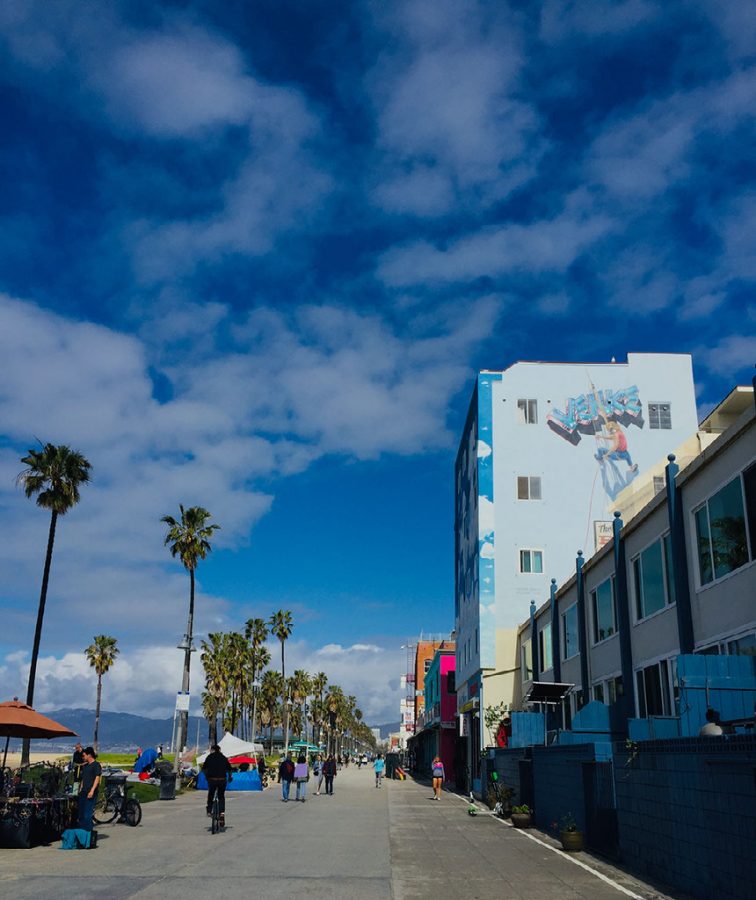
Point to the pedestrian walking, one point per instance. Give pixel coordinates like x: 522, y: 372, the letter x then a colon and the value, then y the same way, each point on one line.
x: 301, y: 776
x: 437, y: 769
x: 285, y: 776
x: 379, y: 767
x: 329, y: 770
x: 317, y: 771
x: 91, y: 772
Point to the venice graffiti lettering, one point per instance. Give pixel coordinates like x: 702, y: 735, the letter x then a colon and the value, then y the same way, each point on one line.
x: 589, y: 413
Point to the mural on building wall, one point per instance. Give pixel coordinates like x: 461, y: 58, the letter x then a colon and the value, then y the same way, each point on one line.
x: 605, y: 414
x: 486, y: 525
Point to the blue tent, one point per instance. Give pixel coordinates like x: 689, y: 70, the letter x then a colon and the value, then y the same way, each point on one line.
x: 242, y: 781
x: 146, y: 760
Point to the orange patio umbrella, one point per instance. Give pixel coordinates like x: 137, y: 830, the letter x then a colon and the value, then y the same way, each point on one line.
x: 20, y: 721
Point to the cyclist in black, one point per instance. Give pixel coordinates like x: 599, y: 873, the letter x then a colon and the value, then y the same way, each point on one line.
x: 217, y: 769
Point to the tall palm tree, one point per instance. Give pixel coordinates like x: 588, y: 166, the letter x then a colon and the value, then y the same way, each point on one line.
x: 54, y: 474
x: 271, y: 689
x: 101, y: 655
x: 189, y: 539
x: 256, y: 632
x: 281, y: 626
x: 319, y: 683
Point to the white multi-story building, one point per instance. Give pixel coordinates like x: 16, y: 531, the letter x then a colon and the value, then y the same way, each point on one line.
x: 545, y: 451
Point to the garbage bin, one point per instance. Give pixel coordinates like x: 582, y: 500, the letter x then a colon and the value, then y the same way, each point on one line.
x: 168, y: 786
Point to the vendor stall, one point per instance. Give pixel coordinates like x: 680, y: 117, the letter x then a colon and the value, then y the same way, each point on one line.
x: 34, y: 807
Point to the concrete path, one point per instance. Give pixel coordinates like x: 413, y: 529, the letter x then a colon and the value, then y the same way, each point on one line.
x: 360, y: 844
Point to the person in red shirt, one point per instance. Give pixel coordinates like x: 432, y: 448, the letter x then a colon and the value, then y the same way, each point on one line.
x: 617, y: 448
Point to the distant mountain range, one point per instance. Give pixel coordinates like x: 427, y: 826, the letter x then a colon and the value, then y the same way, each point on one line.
x: 124, y: 732
x: 386, y: 729
x: 119, y: 732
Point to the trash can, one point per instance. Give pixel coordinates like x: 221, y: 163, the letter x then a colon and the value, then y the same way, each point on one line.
x: 168, y: 786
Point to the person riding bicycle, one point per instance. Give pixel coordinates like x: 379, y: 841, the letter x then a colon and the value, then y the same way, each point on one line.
x: 217, y: 770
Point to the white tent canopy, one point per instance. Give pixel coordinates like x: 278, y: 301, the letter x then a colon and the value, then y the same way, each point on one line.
x: 234, y: 746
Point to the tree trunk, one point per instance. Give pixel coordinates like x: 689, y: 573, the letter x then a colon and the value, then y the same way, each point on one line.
x: 213, y: 729
x: 38, y: 629
x: 184, y: 714
x: 97, y: 709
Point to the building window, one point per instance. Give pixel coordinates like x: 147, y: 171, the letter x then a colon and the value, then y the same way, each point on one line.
x: 602, y: 604
x: 660, y: 483
x: 427, y: 665
x: 526, y: 661
x: 544, y: 648
x: 528, y: 487
x: 531, y: 562
x: 655, y: 689
x: 527, y: 412
x: 570, y: 644
x: 659, y: 415
x: 652, y: 574
x: 451, y: 685
x: 743, y: 646
x: 721, y: 532
x: 608, y: 690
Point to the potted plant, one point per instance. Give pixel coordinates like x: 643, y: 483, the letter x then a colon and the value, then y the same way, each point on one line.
x: 569, y: 833
x: 522, y: 816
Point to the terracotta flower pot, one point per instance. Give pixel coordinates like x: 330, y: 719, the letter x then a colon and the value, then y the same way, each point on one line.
x: 521, y: 820
x: 571, y: 840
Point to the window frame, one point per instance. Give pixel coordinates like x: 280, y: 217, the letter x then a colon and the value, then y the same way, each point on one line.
x: 563, y: 642
x: 658, y: 405
x: 527, y: 410
x: 592, y: 593
x: 669, y: 691
x: 668, y: 586
x: 531, y: 551
x: 525, y: 665
x: 703, y: 506
x: 543, y: 645
x: 528, y: 479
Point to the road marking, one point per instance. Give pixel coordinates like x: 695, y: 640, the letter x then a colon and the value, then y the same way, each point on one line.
x: 568, y: 857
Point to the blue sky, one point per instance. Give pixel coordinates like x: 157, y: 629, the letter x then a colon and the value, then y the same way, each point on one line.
x: 253, y: 255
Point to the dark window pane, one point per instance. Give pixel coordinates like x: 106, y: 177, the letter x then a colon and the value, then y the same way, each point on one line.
x: 728, y: 534
x: 745, y: 646
x: 522, y: 487
x: 641, y: 694
x: 638, y: 588
x: 669, y: 571
x: 535, y: 488
x: 653, y: 687
x: 652, y: 574
x: 571, y: 646
x: 598, y: 692
x: 703, y: 541
x: 749, y: 483
x: 603, y: 611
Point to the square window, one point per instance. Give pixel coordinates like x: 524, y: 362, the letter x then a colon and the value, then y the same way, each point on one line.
x: 528, y: 487
x: 659, y: 484
x: 721, y: 533
x: 531, y: 562
x: 659, y: 415
x: 544, y: 646
x: 527, y: 412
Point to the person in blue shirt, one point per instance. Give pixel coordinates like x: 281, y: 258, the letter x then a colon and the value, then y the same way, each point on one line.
x: 379, y: 765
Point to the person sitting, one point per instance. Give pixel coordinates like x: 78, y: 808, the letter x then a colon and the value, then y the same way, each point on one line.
x: 712, y: 727
x: 217, y: 770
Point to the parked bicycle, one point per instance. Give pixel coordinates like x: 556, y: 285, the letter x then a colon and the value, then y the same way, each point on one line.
x: 114, y: 803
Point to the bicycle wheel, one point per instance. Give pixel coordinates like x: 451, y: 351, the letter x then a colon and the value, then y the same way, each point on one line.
x: 133, y: 813
x: 106, y: 809
x: 215, y: 817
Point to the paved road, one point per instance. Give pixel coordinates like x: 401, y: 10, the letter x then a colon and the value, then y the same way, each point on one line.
x: 360, y: 844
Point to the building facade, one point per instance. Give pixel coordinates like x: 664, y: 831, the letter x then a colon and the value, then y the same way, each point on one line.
x: 435, y: 732
x: 545, y: 451
x: 678, y: 580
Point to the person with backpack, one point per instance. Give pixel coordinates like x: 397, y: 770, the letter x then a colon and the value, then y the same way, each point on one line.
x: 286, y: 776
x: 437, y: 770
x: 301, y: 776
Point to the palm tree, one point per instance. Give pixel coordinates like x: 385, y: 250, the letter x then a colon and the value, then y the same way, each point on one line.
x: 271, y: 689
x: 301, y: 685
x: 54, y: 474
x: 215, y: 698
x: 319, y: 683
x: 281, y: 626
x: 101, y: 655
x: 256, y: 632
x: 189, y: 539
